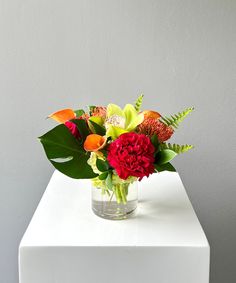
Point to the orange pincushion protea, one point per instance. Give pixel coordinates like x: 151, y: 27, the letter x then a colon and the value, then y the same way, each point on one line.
x: 151, y: 114
x: 152, y: 126
x: 94, y: 142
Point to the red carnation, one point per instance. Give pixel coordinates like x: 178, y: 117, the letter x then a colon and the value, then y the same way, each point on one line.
x: 132, y: 154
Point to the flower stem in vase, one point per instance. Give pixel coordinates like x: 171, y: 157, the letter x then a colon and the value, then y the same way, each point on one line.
x: 127, y: 189
x: 117, y: 193
x: 123, y: 194
x: 119, y: 201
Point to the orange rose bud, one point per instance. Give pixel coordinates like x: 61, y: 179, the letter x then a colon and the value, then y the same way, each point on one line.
x: 151, y: 114
x: 63, y: 116
x: 94, y: 142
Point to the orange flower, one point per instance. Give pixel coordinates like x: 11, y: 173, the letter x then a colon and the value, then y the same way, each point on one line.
x: 94, y: 142
x: 151, y: 114
x: 151, y: 126
x: 63, y: 115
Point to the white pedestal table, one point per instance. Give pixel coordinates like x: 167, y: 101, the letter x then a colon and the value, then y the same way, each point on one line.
x: 66, y: 243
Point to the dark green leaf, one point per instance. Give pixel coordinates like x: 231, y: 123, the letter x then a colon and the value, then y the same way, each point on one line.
x: 91, y: 108
x: 102, y: 165
x: 155, y: 142
x: 164, y: 156
x: 66, y: 154
x: 97, y: 128
x: 82, y: 127
x: 104, y: 152
x: 165, y: 167
x: 103, y: 176
x: 79, y: 112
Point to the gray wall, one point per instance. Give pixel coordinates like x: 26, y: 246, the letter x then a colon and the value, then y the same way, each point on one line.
x: 56, y: 54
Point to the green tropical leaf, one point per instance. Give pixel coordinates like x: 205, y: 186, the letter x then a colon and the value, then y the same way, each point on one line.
x: 97, y: 119
x: 82, y: 127
x: 102, y: 165
x: 104, y: 152
x: 165, y: 167
x: 138, y: 103
x: 95, y: 127
x: 155, y: 142
x: 91, y: 108
x: 177, y: 148
x: 103, y: 176
x: 66, y: 154
x: 164, y: 156
x: 175, y: 120
x: 109, y: 181
x: 79, y: 112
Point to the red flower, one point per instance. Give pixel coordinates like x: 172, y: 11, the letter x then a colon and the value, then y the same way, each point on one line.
x: 73, y: 129
x: 132, y: 154
x: 152, y: 126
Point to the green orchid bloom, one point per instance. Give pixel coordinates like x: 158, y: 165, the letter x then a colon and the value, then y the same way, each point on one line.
x: 120, y: 121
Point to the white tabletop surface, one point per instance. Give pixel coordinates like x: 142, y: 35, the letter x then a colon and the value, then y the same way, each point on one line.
x: 164, y: 217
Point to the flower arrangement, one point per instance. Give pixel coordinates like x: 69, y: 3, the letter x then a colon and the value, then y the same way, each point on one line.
x: 112, y: 146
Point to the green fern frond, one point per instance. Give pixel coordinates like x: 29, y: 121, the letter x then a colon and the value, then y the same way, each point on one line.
x: 138, y: 103
x: 174, y: 120
x: 177, y: 148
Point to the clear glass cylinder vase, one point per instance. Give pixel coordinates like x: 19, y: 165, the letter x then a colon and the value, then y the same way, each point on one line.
x: 116, y: 203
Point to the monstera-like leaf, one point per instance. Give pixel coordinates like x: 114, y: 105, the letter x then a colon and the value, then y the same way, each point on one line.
x: 66, y: 154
